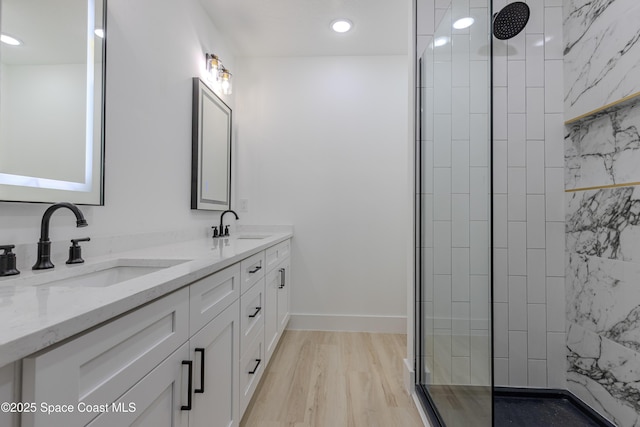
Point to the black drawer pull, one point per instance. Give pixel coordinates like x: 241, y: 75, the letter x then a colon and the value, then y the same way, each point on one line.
x: 256, y: 313
x: 255, y: 270
x: 189, y: 363
x: 201, y: 389
x: 256, y: 367
x: 282, y: 278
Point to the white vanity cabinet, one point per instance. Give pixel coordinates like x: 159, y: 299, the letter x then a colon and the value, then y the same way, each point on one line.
x: 156, y: 401
x: 252, y: 360
x: 251, y: 271
x: 215, y: 353
x: 284, y: 295
x: 214, y: 348
x: 192, y: 358
x: 278, y: 296
x: 100, y: 366
x: 9, y: 392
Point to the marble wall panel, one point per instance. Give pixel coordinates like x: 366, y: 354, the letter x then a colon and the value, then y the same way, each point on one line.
x: 604, y: 150
x: 604, y: 223
x: 601, y: 53
x: 605, y: 375
x: 603, y: 297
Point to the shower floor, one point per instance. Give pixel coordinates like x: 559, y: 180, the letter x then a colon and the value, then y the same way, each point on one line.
x: 540, y: 412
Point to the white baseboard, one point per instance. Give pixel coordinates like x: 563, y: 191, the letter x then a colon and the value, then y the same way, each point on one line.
x: 410, y: 384
x: 409, y: 376
x: 348, y: 323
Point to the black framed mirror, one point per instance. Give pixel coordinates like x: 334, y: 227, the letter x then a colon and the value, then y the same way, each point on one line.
x: 211, y: 150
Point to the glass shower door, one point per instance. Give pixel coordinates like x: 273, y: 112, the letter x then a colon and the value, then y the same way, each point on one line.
x: 453, y: 244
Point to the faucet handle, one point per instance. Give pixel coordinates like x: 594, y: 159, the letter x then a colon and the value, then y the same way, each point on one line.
x: 75, y: 251
x: 226, y: 230
x: 7, y: 249
x: 215, y: 231
x: 8, y: 261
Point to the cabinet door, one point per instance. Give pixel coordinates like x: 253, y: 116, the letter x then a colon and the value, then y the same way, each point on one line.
x: 251, y: 314
x: 215, y: 351
x: 101, y: 365
x: 156, y: 401
x: 275, y: 254
x: 251, y: 270
x: 252, y: 366
x: 9, y: 386
x: 212, y: 294
x: 284, y: 295
x: 271, y: 336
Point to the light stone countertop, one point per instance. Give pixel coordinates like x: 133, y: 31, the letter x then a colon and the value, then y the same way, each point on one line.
x: 35, y: 316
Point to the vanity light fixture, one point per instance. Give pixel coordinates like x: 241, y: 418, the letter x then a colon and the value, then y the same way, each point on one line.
x: 225, y: 81
x: 463, y: 23
x: 11, y: 41
x: 341, y: 25
x: 218, y: 75
x: 213, y: 65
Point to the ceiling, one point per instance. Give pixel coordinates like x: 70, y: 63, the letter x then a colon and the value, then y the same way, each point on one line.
x: 302, y: 27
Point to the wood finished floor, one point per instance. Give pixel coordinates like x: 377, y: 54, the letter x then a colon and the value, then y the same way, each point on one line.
x: 334, y: 379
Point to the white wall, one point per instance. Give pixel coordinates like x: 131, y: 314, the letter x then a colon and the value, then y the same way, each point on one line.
x: 154, y: 49
x: 322, y: 145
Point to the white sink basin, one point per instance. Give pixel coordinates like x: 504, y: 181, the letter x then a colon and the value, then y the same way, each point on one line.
x: 254, y: 236
x: 105, y: 274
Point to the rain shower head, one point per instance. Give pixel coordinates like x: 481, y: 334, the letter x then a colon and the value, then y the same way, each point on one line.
x: 510, y: 20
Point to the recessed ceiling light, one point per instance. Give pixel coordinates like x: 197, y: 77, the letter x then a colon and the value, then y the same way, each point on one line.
x: 9, y: 40
x: 99, y: 32
x: 463, y: 23
x: 441, y: 41
x: 341, y: 25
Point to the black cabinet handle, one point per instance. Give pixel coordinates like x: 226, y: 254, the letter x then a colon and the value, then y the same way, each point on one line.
x: 282, y: 278
x: 256, y: 367
x: 256, y: 313
x: 255, y: 270
x: 201, y: 389
x: 189, y: 363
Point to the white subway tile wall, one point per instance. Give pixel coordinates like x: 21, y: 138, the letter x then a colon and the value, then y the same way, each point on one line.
x: 528, y: 201
x: 455, y: 201
x: 528, y: 137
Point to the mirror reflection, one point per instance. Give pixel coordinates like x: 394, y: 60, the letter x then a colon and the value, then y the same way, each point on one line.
x: 51, y: 100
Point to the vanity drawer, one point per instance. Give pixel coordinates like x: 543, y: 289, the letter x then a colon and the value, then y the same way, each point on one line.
x: 277, y: 253
x: 251, y: 270
x: 98, y: 367
x: 252, y: 310
x: 210, y: 295
x: 252, y: 365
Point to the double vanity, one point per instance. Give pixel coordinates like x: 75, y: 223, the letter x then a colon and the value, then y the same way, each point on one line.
x: 168, y: 335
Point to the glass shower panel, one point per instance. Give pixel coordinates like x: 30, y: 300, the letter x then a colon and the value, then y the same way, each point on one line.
x: 455, y: 219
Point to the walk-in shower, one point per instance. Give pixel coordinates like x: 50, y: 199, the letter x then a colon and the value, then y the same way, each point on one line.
x: 488, y: 264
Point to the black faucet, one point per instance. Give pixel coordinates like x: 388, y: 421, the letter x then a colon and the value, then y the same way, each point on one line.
x: 44, y: 244
x: 226, y: 230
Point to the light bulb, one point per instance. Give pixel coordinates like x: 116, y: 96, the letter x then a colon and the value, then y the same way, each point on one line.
x: 341, y: 25
x: 225, y: 81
